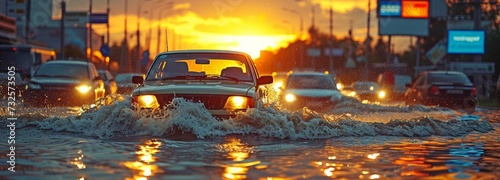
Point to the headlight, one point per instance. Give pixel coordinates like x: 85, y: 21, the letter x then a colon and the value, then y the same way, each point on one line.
x: 146, y: 101
x: 339, y: 86
x: 290, y: 98
x: 381, y: 94
x: 352, y: 94
x: 34, y: 86
x: 237, y: 102
x: 83, y: 88
x: 277, y: 86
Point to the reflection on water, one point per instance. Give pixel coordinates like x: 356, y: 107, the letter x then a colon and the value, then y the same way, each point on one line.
x: 238, y: 152
x: 144, y: 167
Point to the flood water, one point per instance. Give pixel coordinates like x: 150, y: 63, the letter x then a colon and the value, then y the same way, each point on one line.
x: 352, y: 141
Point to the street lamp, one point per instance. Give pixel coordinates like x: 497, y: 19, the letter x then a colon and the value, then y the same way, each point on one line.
x: 301, y: 19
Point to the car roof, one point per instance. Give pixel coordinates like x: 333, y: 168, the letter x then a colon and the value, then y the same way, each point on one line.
x: 204, y: 51
x: 445, y: 72
x: 307, y: 73
x: 67, y: 62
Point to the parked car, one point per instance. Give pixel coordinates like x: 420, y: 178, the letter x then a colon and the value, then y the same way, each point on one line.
x: 225, y: 82
x: 109, y: 81
x: 365, y: 90
x: 64, y: 83
x: 124, y: 83
x: 444, y: 88
x: 317, y: 91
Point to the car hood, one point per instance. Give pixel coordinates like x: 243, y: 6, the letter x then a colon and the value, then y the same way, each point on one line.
x: 56, y: 81
x: 192, y: 87
x: 334, y: 94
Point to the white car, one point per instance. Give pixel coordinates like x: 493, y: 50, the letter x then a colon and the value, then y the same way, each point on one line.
x: 226, y: 82
x: 317, y: 91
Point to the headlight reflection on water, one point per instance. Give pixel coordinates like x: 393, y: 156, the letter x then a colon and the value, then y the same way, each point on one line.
x: 144, y: 167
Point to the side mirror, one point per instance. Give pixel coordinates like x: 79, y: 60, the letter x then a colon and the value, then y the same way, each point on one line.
x: 137, y: 79
x: 264, y: 80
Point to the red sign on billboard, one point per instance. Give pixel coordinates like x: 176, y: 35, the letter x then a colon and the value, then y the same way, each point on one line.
x: 415, y: 9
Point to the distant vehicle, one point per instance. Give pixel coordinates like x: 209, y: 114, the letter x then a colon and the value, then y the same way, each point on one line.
x: 25, y: 59
x: 124, y: 83
x: 317, y: 91
x: 365, y: 90
x: 64, y: 83
x: 444, y: 88
x: 109, y: 81
x: 226, y: 82
x: 398, y: 88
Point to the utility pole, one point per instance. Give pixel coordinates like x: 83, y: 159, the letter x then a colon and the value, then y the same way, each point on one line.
x: 107, y: 25
x: 367, y: 51
x: 124, y: 59
x: 389, y: 49
x: 63, y: 14
x: 166, y: 37
x: 28, y: 21
x: 90, y: 30
x: 331, y: 38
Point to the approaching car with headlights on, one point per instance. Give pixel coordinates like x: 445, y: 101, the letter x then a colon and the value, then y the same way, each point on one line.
x: 444, y: 88
x: 317, y: 91
x: 365, y: 91
x: 225, y: 82
x: 64, y: 83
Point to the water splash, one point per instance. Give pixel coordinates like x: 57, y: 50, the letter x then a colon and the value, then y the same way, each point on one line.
x: 116, y: 118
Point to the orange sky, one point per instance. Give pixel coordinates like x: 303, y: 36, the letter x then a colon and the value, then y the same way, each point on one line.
x: 245, y: 25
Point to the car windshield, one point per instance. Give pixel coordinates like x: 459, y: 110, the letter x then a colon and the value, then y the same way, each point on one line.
x: 310, y: 82
x: 71, y: 71
x: 365, y: 86
x: 201, y: 66
x: 448, y: 77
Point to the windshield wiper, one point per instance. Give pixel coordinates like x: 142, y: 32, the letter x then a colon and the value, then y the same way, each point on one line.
x: 174, y: 77
x: 65, y: 76
x: 229, y: 77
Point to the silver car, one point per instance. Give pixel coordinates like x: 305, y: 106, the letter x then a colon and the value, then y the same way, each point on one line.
x: 224, y: 81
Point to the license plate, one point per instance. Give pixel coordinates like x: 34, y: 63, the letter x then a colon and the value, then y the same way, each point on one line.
x: 455, y: 91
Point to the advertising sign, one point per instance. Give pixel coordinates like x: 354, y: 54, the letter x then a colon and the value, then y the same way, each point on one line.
x: 415, y: 9
x: 389, y: 8
x: 437, y: 52
x: 466, y: 42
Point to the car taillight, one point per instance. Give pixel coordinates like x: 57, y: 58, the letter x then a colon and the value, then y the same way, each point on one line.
x: 434, y: 90
x: 473, y: 92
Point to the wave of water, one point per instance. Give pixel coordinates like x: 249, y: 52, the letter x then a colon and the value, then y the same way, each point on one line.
x: 348, y: 119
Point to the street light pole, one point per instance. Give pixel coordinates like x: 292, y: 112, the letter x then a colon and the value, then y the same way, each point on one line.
x: 90, y: 29
x: 301, y: 20
x: 136, y: 62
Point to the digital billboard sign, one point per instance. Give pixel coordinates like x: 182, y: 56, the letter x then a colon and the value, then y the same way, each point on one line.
x: 415, y: 9
x: 466, y: 42
x: 389, y: 8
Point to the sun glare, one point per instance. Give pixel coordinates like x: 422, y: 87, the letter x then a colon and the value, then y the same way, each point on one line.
x: 254, y: 44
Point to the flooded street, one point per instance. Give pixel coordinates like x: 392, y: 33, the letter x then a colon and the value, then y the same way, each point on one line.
x: 353, y: 141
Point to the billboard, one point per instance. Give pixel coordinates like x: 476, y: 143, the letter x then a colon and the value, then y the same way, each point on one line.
x: 466, y: 41
x: 400, y: 26
x: 389, y: 9
x: 415, y: 9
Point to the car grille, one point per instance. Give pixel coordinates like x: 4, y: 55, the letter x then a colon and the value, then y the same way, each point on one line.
x: 62, y: 87
x: 211, y: 102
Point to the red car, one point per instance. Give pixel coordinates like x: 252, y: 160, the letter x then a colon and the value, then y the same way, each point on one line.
x: 443, y: 88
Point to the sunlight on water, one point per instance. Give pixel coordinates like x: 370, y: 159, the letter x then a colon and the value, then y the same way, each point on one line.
x: 144, y: 167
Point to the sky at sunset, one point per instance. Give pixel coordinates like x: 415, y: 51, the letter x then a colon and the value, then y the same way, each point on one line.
x: 245, y: 25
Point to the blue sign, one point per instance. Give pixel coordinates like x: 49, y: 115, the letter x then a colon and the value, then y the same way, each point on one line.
x: 105, y: 50
x: 466, y: 42
x: 389, y: 8
x: 99, y: 18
